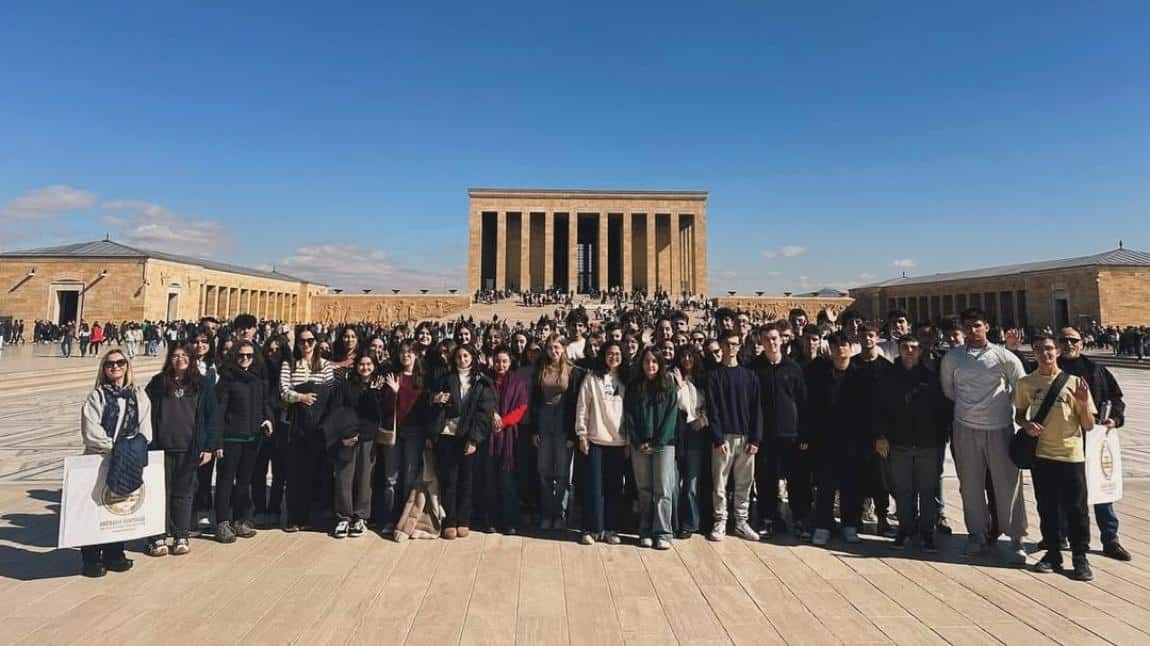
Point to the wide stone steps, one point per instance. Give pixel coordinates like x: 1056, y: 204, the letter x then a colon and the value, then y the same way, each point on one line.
x: 25, y: 382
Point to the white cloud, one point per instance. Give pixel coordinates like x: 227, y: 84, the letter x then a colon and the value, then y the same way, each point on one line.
x: 48, y: 202
x: 154, y: 226
x: 786, y: 251
x: 904, y: 263
x: 352, y: 268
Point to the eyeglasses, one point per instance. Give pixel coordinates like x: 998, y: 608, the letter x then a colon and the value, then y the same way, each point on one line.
x: 1069, y: 340
x: 244, y: 355
x: 116, y: 363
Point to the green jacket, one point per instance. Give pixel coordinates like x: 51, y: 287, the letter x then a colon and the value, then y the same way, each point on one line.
x: 648, y: 418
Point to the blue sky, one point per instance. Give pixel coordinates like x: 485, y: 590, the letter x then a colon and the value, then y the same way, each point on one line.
x: 337, y: 140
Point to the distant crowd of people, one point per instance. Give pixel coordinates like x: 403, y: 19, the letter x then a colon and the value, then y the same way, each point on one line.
x: 646, y: 423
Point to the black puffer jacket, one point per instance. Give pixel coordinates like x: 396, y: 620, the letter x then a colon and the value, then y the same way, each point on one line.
x: 913, y: 411
x: 475, y: 414
x: 244, y: 403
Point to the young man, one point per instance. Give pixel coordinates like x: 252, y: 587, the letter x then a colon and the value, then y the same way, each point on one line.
x: 838, y: 442
x: 915, y: 418
x: 808, y: 346
x: 899, y: 326
x: 734, y: 416
x: 1059, y: 469
x: 782, y: 393
x: 979, y: 378
x: 576, y: 335
x: 873, y: 366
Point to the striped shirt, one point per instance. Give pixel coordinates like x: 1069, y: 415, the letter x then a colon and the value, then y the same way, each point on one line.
x: 301, y: 373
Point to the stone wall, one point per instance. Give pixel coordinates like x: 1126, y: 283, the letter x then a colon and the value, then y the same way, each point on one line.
x: 117, y: 296
x: 780, y: 306
x: 386, y: 308
x: 1124, y: 296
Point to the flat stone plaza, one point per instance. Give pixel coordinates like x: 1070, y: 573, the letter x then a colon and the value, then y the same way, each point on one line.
x: 308, y: 588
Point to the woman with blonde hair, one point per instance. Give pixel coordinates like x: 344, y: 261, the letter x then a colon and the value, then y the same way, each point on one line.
x: 115, y: 410
x: 554, y: 394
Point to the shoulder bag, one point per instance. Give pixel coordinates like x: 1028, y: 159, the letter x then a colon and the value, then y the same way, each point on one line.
x: 1022, y: 445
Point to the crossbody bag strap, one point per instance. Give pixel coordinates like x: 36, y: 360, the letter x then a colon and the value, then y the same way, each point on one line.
x: 1051, y: 397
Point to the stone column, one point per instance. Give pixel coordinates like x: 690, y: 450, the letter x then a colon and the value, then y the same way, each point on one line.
x: 525, y: 251
x: 676, y: 272
x: 572, y: 244
x: 548, y: 250
x: 652, y: 256
x: 625, y: 250
x: 500, y: 250
x: 602, y: 250
x: 699, y: 251
x: 474, y: 251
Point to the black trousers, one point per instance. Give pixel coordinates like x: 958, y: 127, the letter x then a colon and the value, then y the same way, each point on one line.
x: 306, y: 464
x: 781, y: 458
x: 456, y: 473
x: 876, y: 484
x: 180, y: 480
x: 269, y: 499
x: 846, y: 474
x: 234, y: 481
x: 203, y: 501
x: 1060, y: 490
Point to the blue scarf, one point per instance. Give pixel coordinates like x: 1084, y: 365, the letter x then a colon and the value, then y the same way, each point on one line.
x: 112, y: 396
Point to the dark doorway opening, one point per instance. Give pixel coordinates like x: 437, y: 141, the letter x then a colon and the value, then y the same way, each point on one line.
x: 68, y: 306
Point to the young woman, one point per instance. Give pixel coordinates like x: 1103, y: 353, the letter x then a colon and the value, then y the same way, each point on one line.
x: 85, y: 338
x: 351, y: 424
x: 185, y: 428
x: 96, y: 337
x: 651, y: 407
x: 204, y: 356
x: 500, y: 511
x: 632, y: 346
x: 598, y: 427
x: 464, y: 406
x: 554, y: 394
x: 344, y: 353
x: 377, y: 348
x: 305, y: 384
x: 268, y: 502
x: 115, y: 409
x: 405, y: 412
x: 693, y: 445
x: 246, y: 413
x: 424, y: 338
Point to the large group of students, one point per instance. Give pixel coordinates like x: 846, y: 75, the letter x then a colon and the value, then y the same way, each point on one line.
x: 644, y: 424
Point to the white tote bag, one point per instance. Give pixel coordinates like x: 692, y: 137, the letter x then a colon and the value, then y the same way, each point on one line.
x: 1103, y: 466
x: 92, y: 515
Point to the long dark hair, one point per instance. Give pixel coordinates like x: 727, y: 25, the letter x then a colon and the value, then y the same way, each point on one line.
x: 416, y: 370
x: 600, y: 367
x: 283, y: 352
x: 353, y: 372
x: 476, y: 370
x: 339, y: 349
x: 210, y: 357
x: 297, y: 351
x: 657, y: 386
x: 190, y: 380
x: 689, y: 351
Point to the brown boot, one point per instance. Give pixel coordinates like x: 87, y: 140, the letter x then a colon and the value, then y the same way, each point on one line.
x: 449, y: 533
x: 462, y: 532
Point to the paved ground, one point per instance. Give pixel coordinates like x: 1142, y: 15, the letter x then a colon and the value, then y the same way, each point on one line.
x: 308, y: 588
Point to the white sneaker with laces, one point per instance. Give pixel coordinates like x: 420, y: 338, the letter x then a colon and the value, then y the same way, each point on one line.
x: 745, y: 531
x: 646, y: 542
x: 821, y: 537
x: 341, y: 529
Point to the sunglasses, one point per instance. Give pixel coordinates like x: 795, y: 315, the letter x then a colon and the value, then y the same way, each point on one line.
x: 307, y: 341
x: 244, y: 355
x: 116, y: 363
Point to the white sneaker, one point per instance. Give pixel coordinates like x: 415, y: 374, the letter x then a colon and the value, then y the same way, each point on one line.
x: 851, y: 534
x: 1017, y: 554
x: 646, y: 542
x: 586, y: 539
x: 745, y: 531
x: 342, y: 528
x: 718, y: 531
x: 611, y: 538
x: 821, y: 537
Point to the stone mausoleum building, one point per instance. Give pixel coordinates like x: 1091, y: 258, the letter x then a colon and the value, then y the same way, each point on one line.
x: 585, y: 240
x: 1110, y: 288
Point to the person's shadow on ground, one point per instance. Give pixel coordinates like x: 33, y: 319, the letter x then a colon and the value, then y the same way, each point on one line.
x: 22, y: 544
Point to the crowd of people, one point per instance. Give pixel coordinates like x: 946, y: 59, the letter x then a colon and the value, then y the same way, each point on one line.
x: 646, y: 423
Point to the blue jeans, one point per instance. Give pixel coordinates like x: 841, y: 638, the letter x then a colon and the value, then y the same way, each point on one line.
x: 655, y: 478
x: 691, y: 457
x: 1107, y: 520
x: 554, y: 473
x: 603, y: 489
x: 66, y: 347
x: 400, y: 469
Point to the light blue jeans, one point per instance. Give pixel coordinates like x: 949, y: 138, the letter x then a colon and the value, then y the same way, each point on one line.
x: 656, y: 479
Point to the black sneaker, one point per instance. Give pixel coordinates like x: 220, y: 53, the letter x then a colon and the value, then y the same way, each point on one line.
x: 1082, y: 571
x: 225, y: 533
x: 121, y: 565
x: 884, y: 529
x: 1115, y: 551
x: 899, y: 542
x: 358, y: 528
x: 928, y: 544
x: 94, y: 570
x: 1051, y: 562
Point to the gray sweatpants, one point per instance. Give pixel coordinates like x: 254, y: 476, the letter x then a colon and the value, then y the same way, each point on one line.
x: 975, y: 452
x: 738, y: 465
